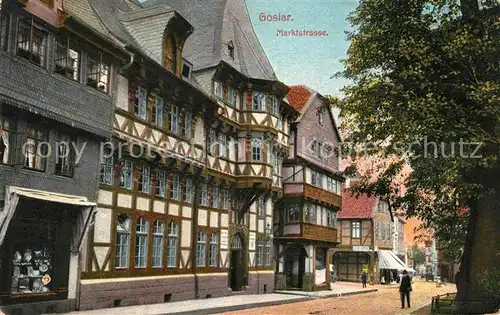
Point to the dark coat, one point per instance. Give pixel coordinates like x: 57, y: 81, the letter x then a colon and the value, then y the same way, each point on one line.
x: 405, y: 285
x: 364, y: 277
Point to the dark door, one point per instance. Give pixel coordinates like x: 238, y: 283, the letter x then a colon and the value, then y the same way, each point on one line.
x: 302, y: 266
x: 237, y: 269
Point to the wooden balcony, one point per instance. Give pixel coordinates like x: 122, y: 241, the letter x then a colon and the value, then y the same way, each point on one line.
x: 308, y: 231
x: 312, y: 193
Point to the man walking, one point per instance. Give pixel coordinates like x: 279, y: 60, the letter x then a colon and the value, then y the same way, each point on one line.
x: 364, y: 277
x: 405, y: 289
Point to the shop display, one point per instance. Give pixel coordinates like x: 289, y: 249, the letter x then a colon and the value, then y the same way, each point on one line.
x: 31, y: 272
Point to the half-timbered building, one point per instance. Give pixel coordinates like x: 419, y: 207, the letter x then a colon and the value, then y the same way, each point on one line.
x: 190, y: 176
x: 305, y: 224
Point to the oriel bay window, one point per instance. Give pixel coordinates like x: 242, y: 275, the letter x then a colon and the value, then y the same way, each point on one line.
x: 218, y: 90
x: 140, y: 96
x: 256, y: 149
x: 127, y: 175
x: 68, y: 57
x: 261, y: 206
x: 141, y: 243
x: 35, y: 149
x: 310, y: 213
x: 213, y: 253
x: 4, y: 140
x: 98, y: 72
x: 65, y: 157
x: 275, y: 109
x: 31, y: 41
x: 293, y: 213
x: 172, y: 246
x: 259, y: 101
x: 158, y: 230
x: 122, y: 241
x: 331, y: 218
x: 161, y: 183
x: 201, y: 249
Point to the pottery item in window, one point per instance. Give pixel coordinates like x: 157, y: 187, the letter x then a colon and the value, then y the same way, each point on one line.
x: 17, y: 256
x: 46, y: 279
x: 43, y: 267
x: 37, y: 285
x: 28, y: 254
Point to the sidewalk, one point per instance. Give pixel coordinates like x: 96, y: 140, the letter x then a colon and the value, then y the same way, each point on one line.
x: 338, y: 289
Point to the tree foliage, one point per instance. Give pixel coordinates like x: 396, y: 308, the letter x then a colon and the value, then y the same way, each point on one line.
x: 426, y: 92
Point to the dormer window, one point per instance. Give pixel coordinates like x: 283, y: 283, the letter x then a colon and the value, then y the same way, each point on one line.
x: 230, y: 48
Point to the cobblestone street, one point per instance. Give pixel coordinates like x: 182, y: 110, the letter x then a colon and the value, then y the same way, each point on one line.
x: 384, y: 301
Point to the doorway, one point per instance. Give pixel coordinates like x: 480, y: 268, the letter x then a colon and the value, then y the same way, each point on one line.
x: 237, y: 273
x: 295, y: 266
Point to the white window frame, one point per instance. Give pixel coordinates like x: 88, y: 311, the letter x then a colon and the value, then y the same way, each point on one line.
x: 174, y: 119
x: 259, y: 105
x: 161, y: 183
x: 159, y: 107
x: 355, y: 229
x: 201, y: 249
x: 215, y: 197
x: 141, y: 102
x: 203, y: 195
x: 218, y: 90
x: 256, y: 149
x: 213, y: 252
x: 188, y: 190
x: 225, y: 199
x: 188, y: 124
x: 146, y: 179
x: 173, y: 243
x: 122, y: 248
x: 175, y: 187
x: 127, y: 175
x: 141, y: 243
x: 158, y: 232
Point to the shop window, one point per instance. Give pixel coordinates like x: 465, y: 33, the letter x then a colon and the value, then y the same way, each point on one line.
x: 122, y: 241
x: 107, y: 170
x: 188, y: 190
x: 161, y: 183
x: 140, y: 102
x: 213, y: 254
x: 65, y: 157
x: 98, y: 72
x: 158, y: 230
x: 158, y: 111
x: 201, y: 249
x: 4, y: 140
x: 36, y: 147
x: 141, y: 243
x: 173, y: 240
x: 293, y: 213
x: 261, y: 207
x: 68, y: 58
x: 174, y: 119
x: 145, y: 180
x: 215, y: 197
x: 256, y: 149
x: 127, y: 175
x: 31, y: 42
x: 259, y: 101
x: 175, y: 187
x: 356, y: 229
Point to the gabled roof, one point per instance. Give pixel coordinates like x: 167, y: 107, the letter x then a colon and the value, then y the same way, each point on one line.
x: 356, y: 208
x: 216, y: 23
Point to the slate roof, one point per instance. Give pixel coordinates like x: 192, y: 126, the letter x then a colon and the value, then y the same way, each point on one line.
x: 216, y: 23
x: 356, y: 208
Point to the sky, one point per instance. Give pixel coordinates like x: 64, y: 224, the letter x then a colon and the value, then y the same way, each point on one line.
x: 305, y: 60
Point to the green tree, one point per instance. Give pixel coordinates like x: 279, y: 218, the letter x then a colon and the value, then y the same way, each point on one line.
x: 426, y: 91
x: 418, y: 255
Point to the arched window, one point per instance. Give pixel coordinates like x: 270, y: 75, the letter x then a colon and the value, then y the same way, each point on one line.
x: 141, y: 243
x: 170, y: 54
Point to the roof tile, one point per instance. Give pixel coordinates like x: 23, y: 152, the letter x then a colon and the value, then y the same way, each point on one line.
x: 356, y: 208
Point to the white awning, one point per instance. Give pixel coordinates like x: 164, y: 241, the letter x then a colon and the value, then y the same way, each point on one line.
x: 84, y: 220
x: 387, y: 259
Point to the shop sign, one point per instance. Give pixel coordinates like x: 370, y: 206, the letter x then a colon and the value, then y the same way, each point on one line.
x: 361, y: 248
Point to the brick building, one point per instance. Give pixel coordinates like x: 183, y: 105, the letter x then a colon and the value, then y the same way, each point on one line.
x: 55, y: 110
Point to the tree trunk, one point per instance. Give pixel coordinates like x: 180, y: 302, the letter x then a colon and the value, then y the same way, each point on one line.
x: 479, y: 270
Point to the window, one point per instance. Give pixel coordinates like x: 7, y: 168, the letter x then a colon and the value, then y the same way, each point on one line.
x: 259, y: 259
x: 259, y: 101
x: 256, y: 149
x: 280, y: 123
x: 140, y: 102
x: 211, y: 141
x: 122, y: 241
x: 173, y: 240
x: 332, y: 185
x: 203, y: 195
x: 158, y: 230
x: 175, y: 189
x: 161, y: 183
x: 321, y: 118
x: 68, y: 59
x: 218, y: 90
x: 356, y: 229
x: 141, y: 243
x: 107, y: 170
x: 225, y: 199
x: 223, y: 147
x: 4, y: 140
x: 275, y: 109
x: 174, y: 119
x: 188, y: 190
x: 97, y: 72
x: 127, y: 175
x: 35, y: 150
x: 215, y: 197
x: 158, y: 112
x: 31, y: 42
x: 201, y: 249
x: 186, y: 71
x: 276, y: 164
x: 331, y: 218
x: 213, y: 253
x: 316, y: 179
x: 145, y: 180
x: 293, y: 213
x: 267, y: 254
x: 188, y: 125
x: 310, y: 213
x: 383, y: 206
x: 261, y: 206
x: 65, y: 157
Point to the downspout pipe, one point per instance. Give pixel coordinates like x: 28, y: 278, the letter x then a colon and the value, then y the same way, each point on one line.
x: 129, y: 64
